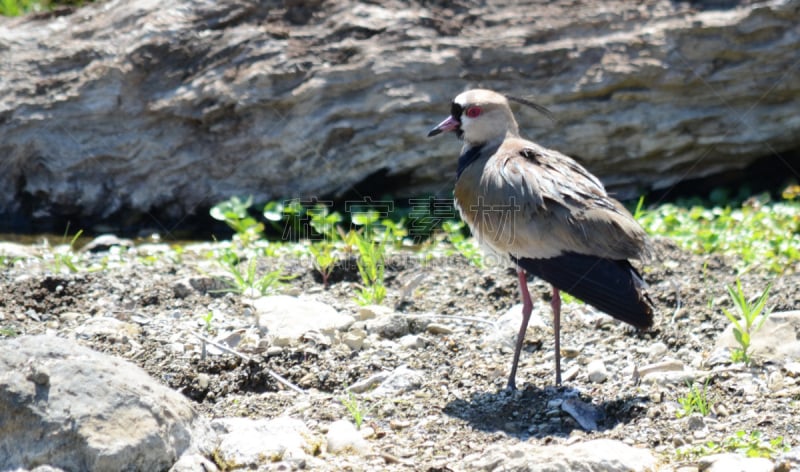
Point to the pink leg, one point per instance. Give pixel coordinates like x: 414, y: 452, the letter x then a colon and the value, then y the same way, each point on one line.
x: 527, y: 307
x: 555, y: 304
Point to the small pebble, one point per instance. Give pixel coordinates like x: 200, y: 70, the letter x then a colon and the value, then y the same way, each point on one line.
x: 596, y: 371
x: 437, y: 328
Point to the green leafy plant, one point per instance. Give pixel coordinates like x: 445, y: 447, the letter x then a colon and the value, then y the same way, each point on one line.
x: 749, y: 444
x: 248, y: 281
x: 325, y: 223
x: 235, y: 213
x: 454, y: 230
x: 356, y: 410
x: 695, y: 401
x: 760, y: 233
x: 371, y: 268
x: 207, y: 321
x: 747, y: 321
x: 286, y: 218
x: 65, y: 257
x: 8, y: 332
x: 325, y: 259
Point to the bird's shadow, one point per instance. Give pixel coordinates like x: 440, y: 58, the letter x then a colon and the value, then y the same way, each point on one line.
x: 542, y: 413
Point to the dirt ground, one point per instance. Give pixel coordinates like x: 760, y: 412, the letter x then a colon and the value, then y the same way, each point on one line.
x: 461, y: 407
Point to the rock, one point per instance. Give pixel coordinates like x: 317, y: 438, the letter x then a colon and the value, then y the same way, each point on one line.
x: 108, y: 327
x: 625, y: 80
x: 104, y: 242
x: 504, y: 336
x: 777, y: 341
x: 13, y: 251
x: 286, y: 319
x: 249, y: 443
x: 657, y: 350
x: 730, y: 462
x: 596, y: 371
x: 402, y: 379
x: 73, y: 408
x: 585, y: 414
x: 438, y: 328
x: 664, y: 366
x: 354, y: 339
x: 389, y: 326
x: 600, y: 454
x: 411, y: 341
x: 369, y: 312
x: 369, y: 383
x: 343, y: 437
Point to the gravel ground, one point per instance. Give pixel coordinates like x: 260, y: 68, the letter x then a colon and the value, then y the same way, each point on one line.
x: 461, y: 406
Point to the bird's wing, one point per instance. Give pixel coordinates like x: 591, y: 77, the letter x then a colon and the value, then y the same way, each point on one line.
x: 555, y: 206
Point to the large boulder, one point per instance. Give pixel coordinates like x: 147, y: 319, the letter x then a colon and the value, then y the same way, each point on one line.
x: 130, y: 106
x: 73, y: 408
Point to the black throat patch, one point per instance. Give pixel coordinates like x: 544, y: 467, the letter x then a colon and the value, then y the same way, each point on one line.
x: 467, y: 158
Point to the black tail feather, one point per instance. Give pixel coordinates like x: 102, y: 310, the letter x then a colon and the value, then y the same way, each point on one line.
x: 608, y: 285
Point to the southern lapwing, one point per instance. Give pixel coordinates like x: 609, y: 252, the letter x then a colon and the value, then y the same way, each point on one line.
x: 546, y: 215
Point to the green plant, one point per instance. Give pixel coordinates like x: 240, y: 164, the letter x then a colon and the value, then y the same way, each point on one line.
x: 248, y: 281
x: 286, y: 218
x: 454, y: 230
x: 235, y: 213
x: 761, y: 233
x: 326, y: 224
x: 695, y: 401
x: 65, y: 256
x: 357, y: 412
x: 207, y: 321
x: 325, y: 259
x: 748, y: 321
x: 8, y: 332
x: 371, y: 268
x: 749, y: 444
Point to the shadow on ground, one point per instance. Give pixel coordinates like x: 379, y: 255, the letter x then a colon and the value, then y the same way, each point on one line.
x: 541, y: 412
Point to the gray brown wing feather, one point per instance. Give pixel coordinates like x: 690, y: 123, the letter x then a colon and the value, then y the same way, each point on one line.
x: 553, y: 205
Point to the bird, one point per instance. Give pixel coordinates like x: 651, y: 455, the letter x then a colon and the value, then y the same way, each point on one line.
x: 546, y: 215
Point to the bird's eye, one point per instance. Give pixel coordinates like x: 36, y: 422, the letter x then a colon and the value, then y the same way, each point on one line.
x: 473, y: 112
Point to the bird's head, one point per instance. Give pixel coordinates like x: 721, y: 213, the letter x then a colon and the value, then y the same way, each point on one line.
x: 481, y: 116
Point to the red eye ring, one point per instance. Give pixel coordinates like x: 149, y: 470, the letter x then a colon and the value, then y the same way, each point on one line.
x: 473, y: 112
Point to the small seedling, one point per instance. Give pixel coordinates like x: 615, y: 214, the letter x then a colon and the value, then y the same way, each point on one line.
x: 371, y: 267
x: 207, y: 320
x: 234, y: 212
x: 695, y: 401
x: 65, y: 256
x: 748, y: 321
x: 326, y: 224
x: 356, y: 410
x: 248, y: 281
x: 325, y: 259
x: 8, y: 332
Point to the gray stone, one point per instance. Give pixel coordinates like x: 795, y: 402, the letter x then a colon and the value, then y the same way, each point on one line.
x: 646, y: 94
x: 250, y: 443
x: 402, y: 379
x: 286, y: 319
x: 777, y: 341
x: 598, y: 455
x: 389, y: 326
x: 343, y: 437
x: 596, y: 371
x: 73, y: 408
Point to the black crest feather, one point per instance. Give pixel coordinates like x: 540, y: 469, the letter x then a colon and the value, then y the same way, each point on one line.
x: 544, y: 111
